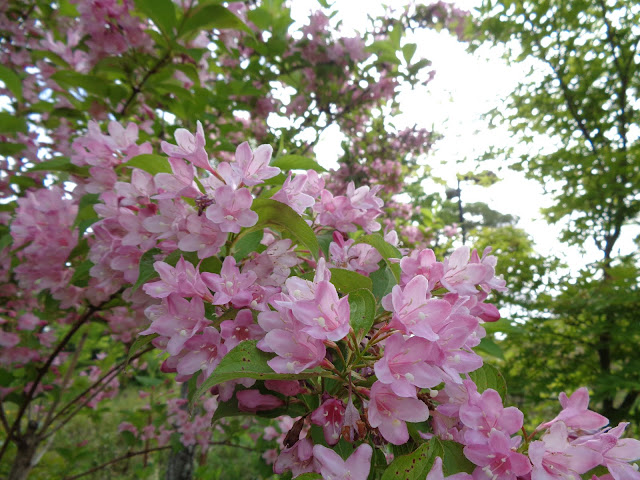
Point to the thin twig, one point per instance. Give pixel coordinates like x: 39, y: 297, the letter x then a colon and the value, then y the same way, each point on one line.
x: 116, y: 460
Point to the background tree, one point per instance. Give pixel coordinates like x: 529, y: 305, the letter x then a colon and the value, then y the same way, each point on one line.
x: 578, y: 116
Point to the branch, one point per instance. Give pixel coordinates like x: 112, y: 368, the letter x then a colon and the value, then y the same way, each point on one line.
x: 136, y: 89
x: 116, y: 460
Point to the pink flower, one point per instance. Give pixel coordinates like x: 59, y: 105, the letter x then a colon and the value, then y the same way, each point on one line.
x: 421, y: 262
x: 232, y: 209
x: 253, y: 400
x: 240, y: 329
x: 575, y: 412
x: 403, y: 365
x: 330, y: 416
x: 297, y: 458
x: 497, y: 458
x: 331, y: 465
x: 554, y: 457
x: 413, y: 313
x: 389, y: 412
x: 461, y: 276
x: 292, y: 194
x: 204, y: 352
x: 326, y: 317
x: 230, y: 286
x: 182, y: 279
x: 253, y: 168
x: 189, y: 147
x: 288, y: 388
x: 437, y: 474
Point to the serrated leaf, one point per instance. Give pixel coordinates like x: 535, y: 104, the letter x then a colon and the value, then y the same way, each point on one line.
x: 246, y: 361
x: 385, y: 249
x: 146, y: 270
x: 363, y: 310
x: 488, y: 376
x: 275, y: 214
x: 415, y: 465
x: 297, y: 162
x: 206, y: 17
x: 140, y: 342
x: 12, y: 81
x: 150, y: 163
x: 347, y: 281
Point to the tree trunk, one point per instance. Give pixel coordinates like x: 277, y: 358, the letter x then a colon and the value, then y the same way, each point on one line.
x: 180, y: 464
x: 27, y: 446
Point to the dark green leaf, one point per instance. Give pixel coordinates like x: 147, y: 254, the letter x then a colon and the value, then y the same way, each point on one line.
x: 488, y: 346
x: 453, y: 459
x: 147, y: 272
x: 246, y: 244
x: 60, y: 164
x: 80, y: 276
x: 9, y: 123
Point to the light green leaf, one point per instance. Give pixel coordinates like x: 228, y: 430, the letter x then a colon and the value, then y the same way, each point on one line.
x: 280, y: 216
x: 385, y: 249
x: 162, y: 12
x: 363, y: 310
x: 488, y: 346
x: 453, y: 459
x: 150, y: 163
x: 60, y: 164
x: 12, y: 81
x: 246, y: 244
x: 415, y: 465
x: 297, y: 162
x: 140, y: 342
x: 206, y: 17
x: 488, y: 376
x: 408, y: 51
x: 347, y: 281
x: 246, y: 361
x: 9, y: 123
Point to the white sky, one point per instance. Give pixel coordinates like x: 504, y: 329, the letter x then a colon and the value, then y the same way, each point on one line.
x: 464, y: 88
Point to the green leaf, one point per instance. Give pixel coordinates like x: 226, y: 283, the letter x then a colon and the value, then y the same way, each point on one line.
x: 206, y: 17
x: 246, y: 244
x: 408, y: 51
x: 140, y: 342
x: 246, y: 361
x: 148, y: 381
x: 162, y: 12
x: 488, y: 376
x: 385, y: 249
x: 60, y: 164
x: 7, y: 148
x: 80, y: 276
x: 12, y: 81
x: 297, y: 162
x: 147, y: 272
x: 9, y: 123
x: 488, y: 346
x: 5, y: 241
x: 230, y: 409
x: 453, y: 459
x: 415, y: 465
x: 309, y: 476
x: 347, y: 281
x: 363, y: 310
x: 150, y: 163
x: 383, y: 282
x: 275, y: 214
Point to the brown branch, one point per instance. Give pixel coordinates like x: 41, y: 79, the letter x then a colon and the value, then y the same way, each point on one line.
x: 42, y: 371
x: 116, y: 460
